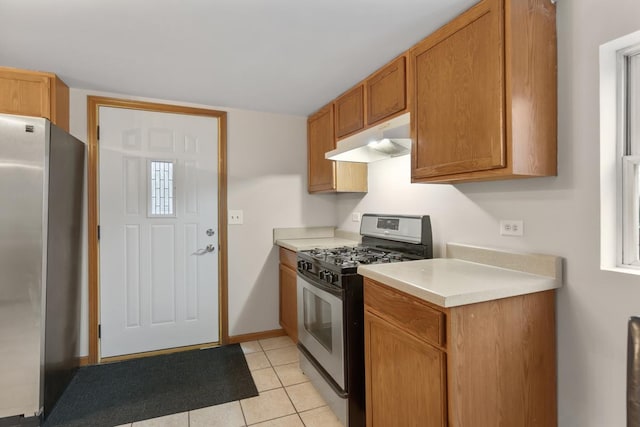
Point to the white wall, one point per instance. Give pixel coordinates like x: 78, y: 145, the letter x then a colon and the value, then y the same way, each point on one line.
x: 561, y: 217
x: 267, y: 178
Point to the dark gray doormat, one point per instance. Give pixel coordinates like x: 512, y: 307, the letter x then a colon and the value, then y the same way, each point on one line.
x: 134, y: 390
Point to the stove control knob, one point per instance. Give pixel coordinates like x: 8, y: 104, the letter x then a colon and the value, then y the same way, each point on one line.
x: 328, y: 276
x: 334, y: 278
x: 304, y: 265
x: 323, y: 275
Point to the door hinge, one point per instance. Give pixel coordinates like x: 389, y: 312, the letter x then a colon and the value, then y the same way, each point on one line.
x: 98, y: 232
x: 98, y: 132
x: 99, y: 331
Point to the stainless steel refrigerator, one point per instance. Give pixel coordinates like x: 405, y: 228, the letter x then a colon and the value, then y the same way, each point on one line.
x: 41, y: 182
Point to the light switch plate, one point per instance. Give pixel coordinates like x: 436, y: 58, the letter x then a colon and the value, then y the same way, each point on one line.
x: 355, y: 217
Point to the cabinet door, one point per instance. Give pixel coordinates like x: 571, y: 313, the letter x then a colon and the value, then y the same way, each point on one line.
x: 320, y: 139
x: 387, y: 91
x: 349, y: 110
x: 288, y: 302
x: 25, y: 94
x: 405, y: 378
x: 460, y: 95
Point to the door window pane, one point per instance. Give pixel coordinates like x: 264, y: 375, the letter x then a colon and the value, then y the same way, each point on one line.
x: 161, y: 189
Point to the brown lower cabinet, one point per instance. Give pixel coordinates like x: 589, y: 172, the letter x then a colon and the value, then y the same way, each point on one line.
x: 484, y: 365
x: 288, y: 293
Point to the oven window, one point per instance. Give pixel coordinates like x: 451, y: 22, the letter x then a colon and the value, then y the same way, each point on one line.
x: 317, y: 318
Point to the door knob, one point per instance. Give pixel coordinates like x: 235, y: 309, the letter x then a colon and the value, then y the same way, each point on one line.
x: 209, y: 248
x: 210, y: 232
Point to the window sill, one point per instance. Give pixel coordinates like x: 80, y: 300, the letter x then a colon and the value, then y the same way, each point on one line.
x: 622, y: 269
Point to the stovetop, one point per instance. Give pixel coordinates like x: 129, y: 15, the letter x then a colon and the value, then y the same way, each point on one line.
x: 346, y: 257
x: 385, y: 239
x: 345, y: 260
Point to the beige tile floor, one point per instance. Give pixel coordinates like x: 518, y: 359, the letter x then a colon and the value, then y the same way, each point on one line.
x: 286, y: 399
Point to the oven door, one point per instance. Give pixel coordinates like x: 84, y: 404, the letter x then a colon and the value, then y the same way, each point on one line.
x: 320, y: 325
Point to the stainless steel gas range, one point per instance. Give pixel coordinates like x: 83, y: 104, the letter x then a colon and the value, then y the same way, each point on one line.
x: 331, y: 307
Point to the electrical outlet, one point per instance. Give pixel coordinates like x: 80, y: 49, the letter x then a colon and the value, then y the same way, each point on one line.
x: 236, y: 217
x: 511, y: 227
x: 355, y: 217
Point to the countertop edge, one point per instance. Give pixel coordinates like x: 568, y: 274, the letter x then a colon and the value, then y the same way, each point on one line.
x: 286, y: 245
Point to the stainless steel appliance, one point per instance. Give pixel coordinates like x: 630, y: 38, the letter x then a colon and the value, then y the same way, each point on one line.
x: 331, y: 307
x: 41, y: 180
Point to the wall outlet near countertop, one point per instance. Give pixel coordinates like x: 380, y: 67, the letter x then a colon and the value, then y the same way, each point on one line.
x: 236, y: 217
x: 511, y: 227
x: 355, y: 217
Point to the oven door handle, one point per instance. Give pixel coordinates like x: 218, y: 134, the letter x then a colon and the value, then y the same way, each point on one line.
x: 337, y: 292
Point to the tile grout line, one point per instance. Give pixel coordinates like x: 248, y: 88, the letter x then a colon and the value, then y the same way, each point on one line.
x: 244, y: 417
x: 283, y: 386
x: 279, y: 381
x: 242, y: 412
x: 272, y: 366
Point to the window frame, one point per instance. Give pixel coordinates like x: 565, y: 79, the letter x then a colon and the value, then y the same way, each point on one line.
x: 619, y: 185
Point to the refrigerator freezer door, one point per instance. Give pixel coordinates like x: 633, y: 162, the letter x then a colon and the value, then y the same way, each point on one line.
x: 23, y: 175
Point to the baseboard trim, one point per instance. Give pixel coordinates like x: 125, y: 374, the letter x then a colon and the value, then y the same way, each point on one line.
x: 84, y: 360
x: 257, y: 336
x: 158, y: 352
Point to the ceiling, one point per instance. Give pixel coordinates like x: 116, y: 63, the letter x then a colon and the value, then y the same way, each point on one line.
x: 283, y: 56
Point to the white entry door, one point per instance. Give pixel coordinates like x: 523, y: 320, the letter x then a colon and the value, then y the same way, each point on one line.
x: 158, y: 230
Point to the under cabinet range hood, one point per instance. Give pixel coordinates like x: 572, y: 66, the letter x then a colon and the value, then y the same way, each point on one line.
x: 383, y: 141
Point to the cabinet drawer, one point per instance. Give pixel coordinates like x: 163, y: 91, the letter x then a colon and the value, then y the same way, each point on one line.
x: 288, y: 258
x: 407, y: 312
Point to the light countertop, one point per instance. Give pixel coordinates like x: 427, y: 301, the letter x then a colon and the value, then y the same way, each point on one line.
x: 321, y: 243
x: 305, y: 238
x: 450, y: 282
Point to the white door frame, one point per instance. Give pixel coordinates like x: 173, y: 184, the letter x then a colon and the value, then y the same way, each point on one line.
x: 93, y: 119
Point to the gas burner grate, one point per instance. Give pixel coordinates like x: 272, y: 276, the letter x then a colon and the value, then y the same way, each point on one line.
x: 346, y: 256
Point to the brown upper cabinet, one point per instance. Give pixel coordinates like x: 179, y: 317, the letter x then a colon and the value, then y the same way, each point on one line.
x: 327, y: 175
x: 34, y: 93
x: 386, y: 92
x: 381, y: 96
x: 484, y: 104
x: 349, y: 110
